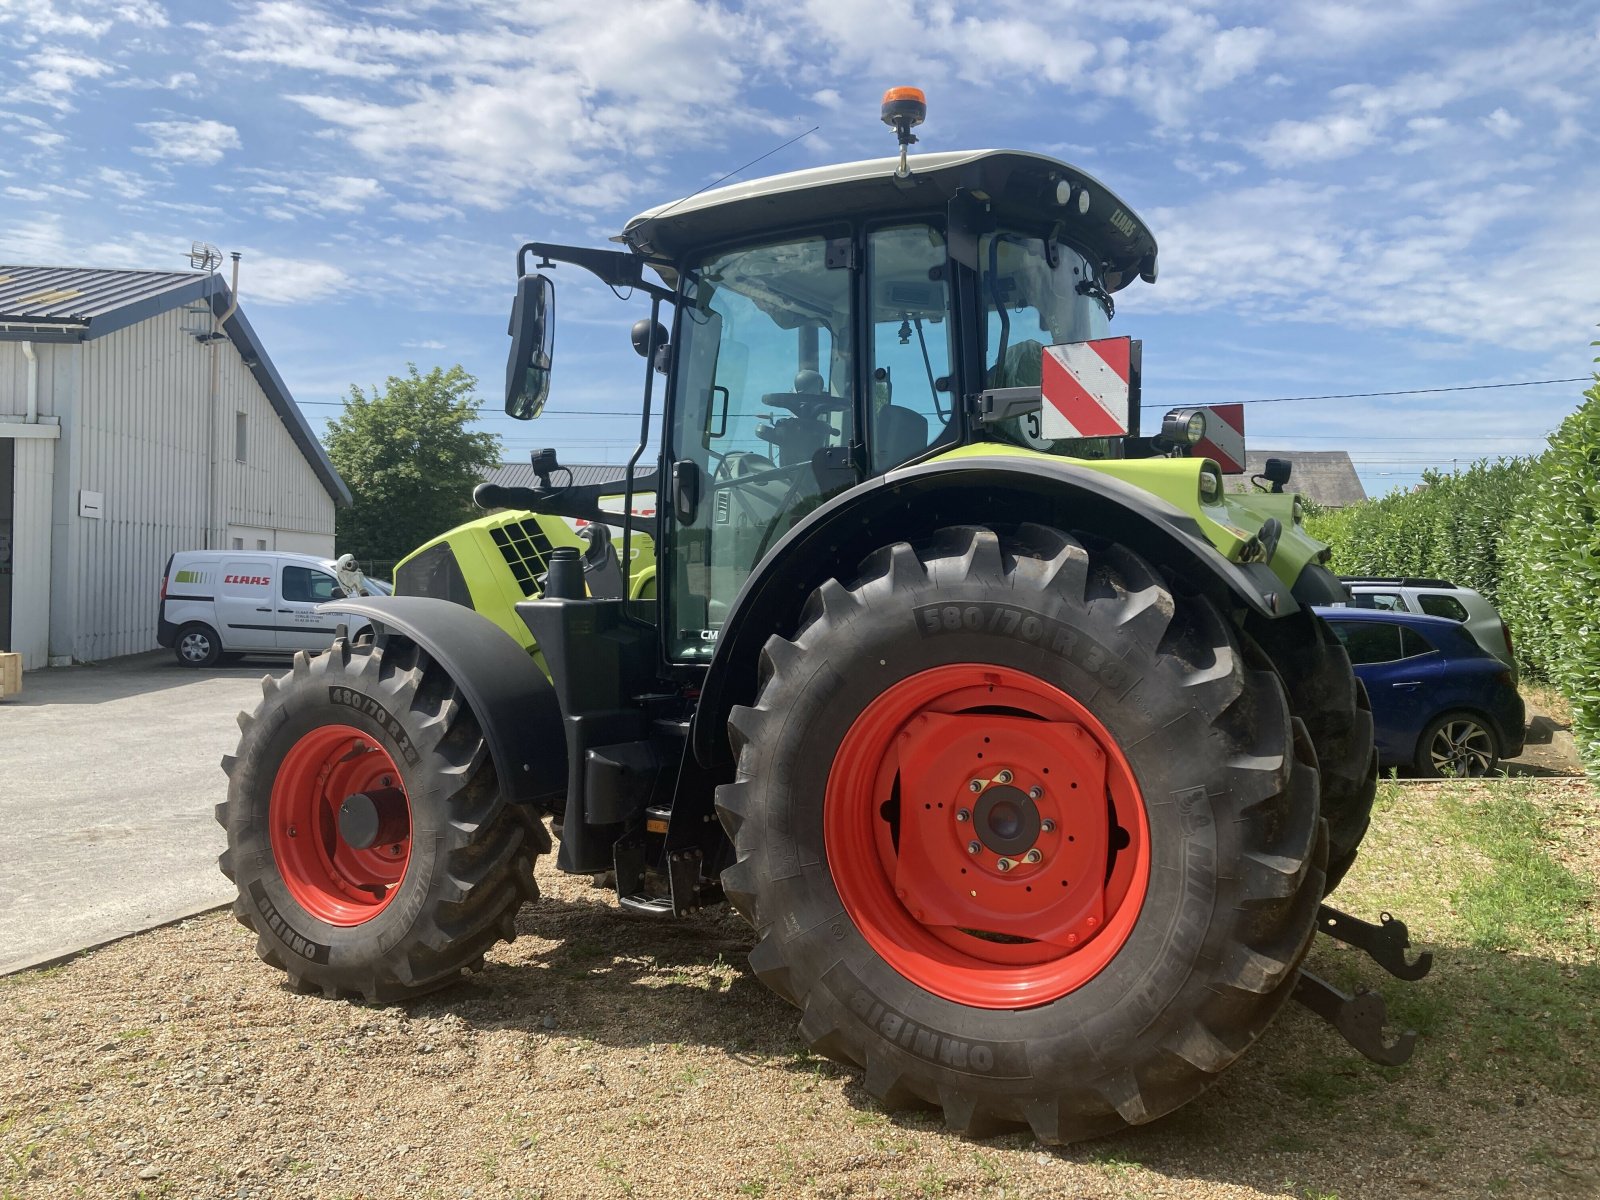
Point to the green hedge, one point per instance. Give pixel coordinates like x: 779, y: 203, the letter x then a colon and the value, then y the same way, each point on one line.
x: 1521, y: 531
x: 1551, y: 590
x: 1456, y: 527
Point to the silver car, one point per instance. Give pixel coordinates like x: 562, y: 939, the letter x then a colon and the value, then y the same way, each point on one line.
x: 1436, y: 598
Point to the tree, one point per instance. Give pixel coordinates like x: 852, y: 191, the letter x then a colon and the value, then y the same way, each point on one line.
x: 411, y: 460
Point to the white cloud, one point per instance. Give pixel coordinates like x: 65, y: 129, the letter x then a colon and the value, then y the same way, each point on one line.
x: 268, y: 279
x: 201, y: 141
x: 344, y: 193
x: 1452, y: 259
x: 423, y: 213
x: 124, y: 183
x: 53, y: 74
x: 1501, y: 123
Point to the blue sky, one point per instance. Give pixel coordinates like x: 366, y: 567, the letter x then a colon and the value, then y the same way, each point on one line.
x: 1350, y: 197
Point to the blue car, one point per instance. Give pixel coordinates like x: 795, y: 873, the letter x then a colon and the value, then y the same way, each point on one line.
x: 1441, y: 703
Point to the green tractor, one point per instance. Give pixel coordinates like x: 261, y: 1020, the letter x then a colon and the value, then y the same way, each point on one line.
x: 1009, y: 730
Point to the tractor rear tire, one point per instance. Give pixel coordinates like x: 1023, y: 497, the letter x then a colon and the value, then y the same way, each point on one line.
x: 943, y: 675
x: 1333, y: 703
x: 414, y: 908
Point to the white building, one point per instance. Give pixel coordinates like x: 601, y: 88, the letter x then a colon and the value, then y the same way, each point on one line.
x: 129, y: 431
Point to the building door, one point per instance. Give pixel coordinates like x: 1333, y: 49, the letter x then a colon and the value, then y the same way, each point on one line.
x: 8, y: 465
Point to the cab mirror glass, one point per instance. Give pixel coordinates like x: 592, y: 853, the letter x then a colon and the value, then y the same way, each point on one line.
x: 533, y: 341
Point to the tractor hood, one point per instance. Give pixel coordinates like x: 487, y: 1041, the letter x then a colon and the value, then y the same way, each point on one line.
x: 1028, y: 189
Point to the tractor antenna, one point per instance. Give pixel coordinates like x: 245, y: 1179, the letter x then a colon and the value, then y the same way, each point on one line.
x: 736, y: 170
x: 904, y: 108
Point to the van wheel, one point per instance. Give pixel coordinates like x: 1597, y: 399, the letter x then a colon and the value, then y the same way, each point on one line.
x: 197, y: 645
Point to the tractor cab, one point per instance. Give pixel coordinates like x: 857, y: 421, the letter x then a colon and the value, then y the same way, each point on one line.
x: 833, y: 324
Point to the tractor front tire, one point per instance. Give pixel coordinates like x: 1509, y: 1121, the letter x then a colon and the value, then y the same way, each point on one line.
x: 445, y: 862
x: 1325, y: 693
x: 1024, y: 835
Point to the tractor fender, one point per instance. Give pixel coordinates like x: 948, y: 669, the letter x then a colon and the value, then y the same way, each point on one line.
x: 916, y: 500
x: 511, y: 698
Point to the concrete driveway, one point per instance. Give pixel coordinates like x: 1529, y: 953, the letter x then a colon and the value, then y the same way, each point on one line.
x: 108, y: 777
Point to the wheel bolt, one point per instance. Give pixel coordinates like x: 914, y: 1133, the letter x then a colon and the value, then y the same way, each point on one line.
x: 1003, y: 777
x: 1005, y: 864
x: 975, y: 786
x: 1047, y: 825
x: 1035, y: 793
x: 963, y: 815
x: 973, y: 847
x: 1033, y: 856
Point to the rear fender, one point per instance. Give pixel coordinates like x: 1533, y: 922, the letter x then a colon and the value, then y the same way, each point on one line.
x: 513, y: 701
x: 973, y: 489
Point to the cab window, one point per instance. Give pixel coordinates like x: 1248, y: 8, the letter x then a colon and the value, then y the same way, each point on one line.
x: 912, y: 406
x: 762, y: 418
x: 1035, y: 294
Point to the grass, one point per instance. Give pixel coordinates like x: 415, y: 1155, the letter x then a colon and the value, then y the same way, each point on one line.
x: 1526, y: 895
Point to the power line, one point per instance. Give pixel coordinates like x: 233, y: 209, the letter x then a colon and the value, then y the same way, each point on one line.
x: 1466, y: 387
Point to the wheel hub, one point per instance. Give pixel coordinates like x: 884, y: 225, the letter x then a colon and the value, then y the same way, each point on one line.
x: 1006, y: 819
x: 1021, y: 883
x: 340, y: 825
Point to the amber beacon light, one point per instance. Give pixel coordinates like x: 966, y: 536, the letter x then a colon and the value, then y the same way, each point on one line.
x: 904, y: 108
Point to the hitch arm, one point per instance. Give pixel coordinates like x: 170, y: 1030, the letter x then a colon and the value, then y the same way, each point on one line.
x: 1359, y: 1019
x: 1387, y: 942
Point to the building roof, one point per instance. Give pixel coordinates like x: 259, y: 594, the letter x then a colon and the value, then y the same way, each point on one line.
x: 79, y: 304
x: 83, y: 296
x: 520, y: 474
x: 1327, y: 477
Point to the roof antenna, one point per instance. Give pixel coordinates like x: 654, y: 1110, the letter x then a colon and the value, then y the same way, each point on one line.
x: 735, y: 171
x: 904, y: 108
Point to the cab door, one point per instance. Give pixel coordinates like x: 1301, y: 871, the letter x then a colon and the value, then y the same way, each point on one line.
x: 300, y: 589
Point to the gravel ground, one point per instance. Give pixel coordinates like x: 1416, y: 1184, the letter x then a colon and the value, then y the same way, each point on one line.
x: 608, y: 1055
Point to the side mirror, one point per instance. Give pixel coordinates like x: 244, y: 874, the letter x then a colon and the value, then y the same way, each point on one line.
x: 533, y: 342
x: 339, y: 593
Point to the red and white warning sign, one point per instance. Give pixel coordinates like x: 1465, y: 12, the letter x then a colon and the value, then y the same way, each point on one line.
x: 1224, y: 439
x: 1085, y: 386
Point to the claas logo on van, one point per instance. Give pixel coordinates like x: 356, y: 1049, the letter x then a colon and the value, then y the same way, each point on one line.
x: 262, y: 580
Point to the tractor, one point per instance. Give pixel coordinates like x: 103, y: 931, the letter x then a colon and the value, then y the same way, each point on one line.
x: 1009, y: 730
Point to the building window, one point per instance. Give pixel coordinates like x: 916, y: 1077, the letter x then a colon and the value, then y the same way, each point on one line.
x: 238, y: 543
x: 240, y: 431
x: 261, y: 543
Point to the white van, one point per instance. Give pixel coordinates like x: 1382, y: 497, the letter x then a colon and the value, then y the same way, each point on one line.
x: 217, y: 602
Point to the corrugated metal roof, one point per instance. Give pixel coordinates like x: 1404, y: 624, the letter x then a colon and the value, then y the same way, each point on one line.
x: 79, y: 295
x: 1326, y: 476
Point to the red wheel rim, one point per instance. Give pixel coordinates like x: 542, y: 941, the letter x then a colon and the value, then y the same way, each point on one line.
x: 948, y: 773
x: 330, y: 879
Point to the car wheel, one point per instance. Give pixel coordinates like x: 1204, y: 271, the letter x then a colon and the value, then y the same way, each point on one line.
x: 197, y: 645
x: 1457, y: 746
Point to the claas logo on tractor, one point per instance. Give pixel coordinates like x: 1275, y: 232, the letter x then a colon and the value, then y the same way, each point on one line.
x: 1013, y: 734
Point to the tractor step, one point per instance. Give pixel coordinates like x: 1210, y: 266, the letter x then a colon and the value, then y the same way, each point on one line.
x: 1359, y: 1018
x: 1386, y: 942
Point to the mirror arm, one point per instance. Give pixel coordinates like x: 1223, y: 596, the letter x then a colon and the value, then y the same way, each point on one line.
x: 615, y: 268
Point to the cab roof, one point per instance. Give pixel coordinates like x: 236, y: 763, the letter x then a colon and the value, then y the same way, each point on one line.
x: 1019, y: 186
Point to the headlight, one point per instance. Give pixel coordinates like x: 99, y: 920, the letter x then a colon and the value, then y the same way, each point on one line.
x: 1183, y: 426
x: 1210, y: 485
